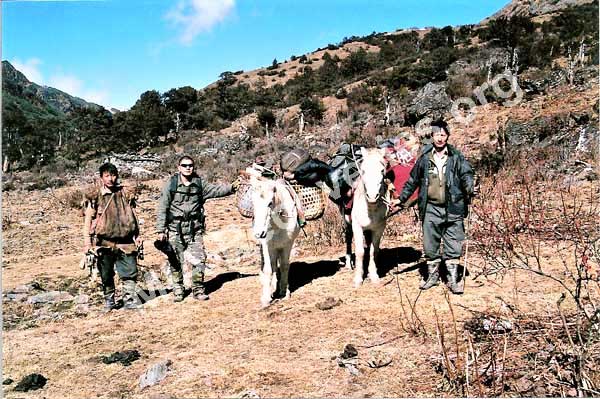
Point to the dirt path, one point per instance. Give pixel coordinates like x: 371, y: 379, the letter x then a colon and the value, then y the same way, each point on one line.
x: 228, y: 346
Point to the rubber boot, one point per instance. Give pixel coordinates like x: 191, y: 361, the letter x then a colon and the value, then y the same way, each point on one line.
x: 198, y: 287
x: 130, y: 297
x: 109, y: 302
x: 454, y: 284
x: 433, y: 275
x: 178, y: 289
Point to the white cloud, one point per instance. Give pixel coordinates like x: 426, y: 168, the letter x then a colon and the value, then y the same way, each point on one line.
x: 67, y: 83
x: 96, y: 96
x: 197, y: 16
x: 74, y: 86
x: 29, y: 68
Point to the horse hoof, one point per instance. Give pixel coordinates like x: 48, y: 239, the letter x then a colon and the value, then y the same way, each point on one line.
x: 280, y: 296
x: 357, y: 283
x: 375, y: 279
x: 265, y: 302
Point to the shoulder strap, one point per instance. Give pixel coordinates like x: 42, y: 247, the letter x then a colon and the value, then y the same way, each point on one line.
x: 173, y: 182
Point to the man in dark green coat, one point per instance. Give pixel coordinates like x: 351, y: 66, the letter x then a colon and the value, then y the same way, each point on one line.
x: 445, y: 181
x: 180, y: 221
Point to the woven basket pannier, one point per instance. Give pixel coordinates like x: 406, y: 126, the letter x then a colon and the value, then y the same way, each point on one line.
x: 244, y: 200
x: 313, y: 200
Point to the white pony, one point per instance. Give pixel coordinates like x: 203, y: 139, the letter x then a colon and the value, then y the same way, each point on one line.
x: 369, y: 211
x: 275, y: 226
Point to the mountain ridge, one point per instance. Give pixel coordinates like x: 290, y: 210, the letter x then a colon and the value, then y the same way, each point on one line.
x: 531, y: 8
x: 16, y: 83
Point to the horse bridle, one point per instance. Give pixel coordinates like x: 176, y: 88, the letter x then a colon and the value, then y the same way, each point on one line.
x: 379, y: 193
x: 275, y: 203
x: 362, y: 181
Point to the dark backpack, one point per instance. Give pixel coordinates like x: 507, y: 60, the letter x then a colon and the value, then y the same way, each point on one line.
x: 346, y: 152
x: 173, y: 184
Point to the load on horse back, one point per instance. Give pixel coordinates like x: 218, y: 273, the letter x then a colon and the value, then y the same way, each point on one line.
x: 400, y: 153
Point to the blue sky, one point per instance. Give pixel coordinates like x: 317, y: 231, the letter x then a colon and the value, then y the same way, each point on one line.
x: 110, y: 52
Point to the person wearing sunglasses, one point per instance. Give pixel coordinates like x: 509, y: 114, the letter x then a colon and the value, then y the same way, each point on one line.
x: 181, y: 223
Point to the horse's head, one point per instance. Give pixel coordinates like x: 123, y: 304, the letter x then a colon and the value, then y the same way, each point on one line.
x: 372, y: 171
x: 265, y: 205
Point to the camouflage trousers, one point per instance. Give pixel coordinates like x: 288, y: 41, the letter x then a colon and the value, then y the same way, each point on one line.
x: 188, y: 248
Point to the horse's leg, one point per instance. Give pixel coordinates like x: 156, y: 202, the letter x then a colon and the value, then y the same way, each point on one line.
x: 376, y: 240
x: 359, y: 248
x: 348, y: 237
x: 266, y: 275
x: 284, y: 267
x: 276, y: 272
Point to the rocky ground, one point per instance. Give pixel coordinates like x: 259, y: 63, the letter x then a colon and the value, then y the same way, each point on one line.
x: 327, y: 340
x: 504, y: 337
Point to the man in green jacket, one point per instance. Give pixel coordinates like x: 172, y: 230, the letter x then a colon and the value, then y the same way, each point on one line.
x: 445, y: 181
x: 180, y: 221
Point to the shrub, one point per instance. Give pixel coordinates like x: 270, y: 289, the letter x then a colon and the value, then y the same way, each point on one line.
x: 265, y: 116
x: 313, y: 109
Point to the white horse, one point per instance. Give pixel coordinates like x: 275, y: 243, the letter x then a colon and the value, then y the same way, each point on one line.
x: 369, y: 211
x: 275, y: 226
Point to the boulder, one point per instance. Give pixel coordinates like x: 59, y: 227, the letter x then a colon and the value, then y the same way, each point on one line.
x: 50, y: 297
x: 155, y: 374
x: 431, y: 101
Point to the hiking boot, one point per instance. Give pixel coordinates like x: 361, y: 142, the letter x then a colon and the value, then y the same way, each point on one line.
x: 131, y: 304
x: 199, y: 292
x: 130, y: 298
x: 178, y: 293
x: 109, y: 302
x: 454, y: 283
x: 433, y: 275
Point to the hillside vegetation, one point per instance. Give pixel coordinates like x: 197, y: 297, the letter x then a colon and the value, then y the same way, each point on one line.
x: 348, y: 83
x: 527, y: 324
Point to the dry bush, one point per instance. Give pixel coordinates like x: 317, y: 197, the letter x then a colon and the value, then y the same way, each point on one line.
x: 327, y: 231
x: 464, y: 84
x: 507, y: 353
x: 7, y: 217
x: 71, y: 198
x: 403, y: 226
x: 522, y: 222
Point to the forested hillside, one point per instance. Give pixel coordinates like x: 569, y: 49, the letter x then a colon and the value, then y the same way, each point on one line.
x: 43, y: 126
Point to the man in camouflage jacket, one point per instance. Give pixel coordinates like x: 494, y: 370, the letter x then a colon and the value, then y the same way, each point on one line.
x: 181, y: 222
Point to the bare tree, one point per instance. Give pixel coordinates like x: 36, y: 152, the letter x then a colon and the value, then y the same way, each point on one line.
x: 387, y: 102
x: 301, y: 123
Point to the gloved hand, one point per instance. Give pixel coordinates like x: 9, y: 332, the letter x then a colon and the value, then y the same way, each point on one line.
x: 235, y: 185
